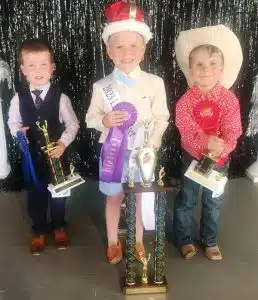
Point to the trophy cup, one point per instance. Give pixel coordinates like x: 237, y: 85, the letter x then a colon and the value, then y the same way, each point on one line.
x: 147, y: 158
x: 60, y: 183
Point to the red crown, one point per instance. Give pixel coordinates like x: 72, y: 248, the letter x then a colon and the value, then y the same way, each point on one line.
x: 121, y: 10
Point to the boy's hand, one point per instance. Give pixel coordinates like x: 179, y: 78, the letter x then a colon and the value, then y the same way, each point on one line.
x: 215, y: 145
x: 24, y: 131
x: 58, y: 150
x: 114, y: 118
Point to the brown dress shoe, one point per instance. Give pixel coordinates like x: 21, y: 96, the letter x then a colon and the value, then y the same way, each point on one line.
x: 37, y: 245
x: 61, y: 239
x: 213, y: 253
x: 139, y: 251
x: 188, y: 251
x: 114, y: 253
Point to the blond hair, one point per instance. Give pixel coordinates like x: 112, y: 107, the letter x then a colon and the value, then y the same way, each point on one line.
x: 211, y: 49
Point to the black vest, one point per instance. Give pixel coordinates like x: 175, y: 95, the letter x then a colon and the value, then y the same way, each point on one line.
x: 48, y: 111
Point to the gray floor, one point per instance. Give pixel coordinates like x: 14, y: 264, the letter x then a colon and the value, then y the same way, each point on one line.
x: 81, y: 271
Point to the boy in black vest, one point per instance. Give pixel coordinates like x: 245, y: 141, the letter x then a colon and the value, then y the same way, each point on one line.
x: 40, y: 101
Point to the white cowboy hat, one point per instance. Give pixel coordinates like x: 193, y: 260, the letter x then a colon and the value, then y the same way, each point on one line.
x: 221, y: 37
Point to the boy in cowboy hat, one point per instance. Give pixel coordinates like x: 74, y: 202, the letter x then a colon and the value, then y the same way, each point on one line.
x: 125, y: 35
x: 208, y: 119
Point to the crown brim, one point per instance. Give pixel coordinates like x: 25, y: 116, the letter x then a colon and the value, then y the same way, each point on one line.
x: 127, y: 25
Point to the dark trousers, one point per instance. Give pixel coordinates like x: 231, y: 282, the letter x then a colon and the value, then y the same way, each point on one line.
x: 39, y: 201
x: 184, y: 208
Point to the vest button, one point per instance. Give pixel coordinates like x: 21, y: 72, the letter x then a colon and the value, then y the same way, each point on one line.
x: 38, y: 117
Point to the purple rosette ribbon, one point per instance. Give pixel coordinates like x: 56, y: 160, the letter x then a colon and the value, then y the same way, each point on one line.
x: 114, y: 148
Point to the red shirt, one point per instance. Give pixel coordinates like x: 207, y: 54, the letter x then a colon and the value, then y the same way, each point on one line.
x: 200, y: 115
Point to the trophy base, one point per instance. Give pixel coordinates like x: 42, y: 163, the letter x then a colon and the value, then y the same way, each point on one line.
x: 146, y: 185
x: 71, y: 182
x: 147, y: 288
x: 214, y: 182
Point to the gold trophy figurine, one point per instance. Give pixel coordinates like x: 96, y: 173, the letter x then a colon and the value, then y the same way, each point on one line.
x: 131, y: 174
x: 206, y: 164
x: 55, y: 164
x: 162, y: 174
x: 60, y: 183
x: 145, y: 262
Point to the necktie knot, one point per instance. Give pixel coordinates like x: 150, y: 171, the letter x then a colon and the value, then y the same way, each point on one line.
x: 37, y: 92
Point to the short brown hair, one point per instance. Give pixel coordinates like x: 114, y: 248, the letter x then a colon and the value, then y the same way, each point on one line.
x: 210, y: 48
x: 35, y: 45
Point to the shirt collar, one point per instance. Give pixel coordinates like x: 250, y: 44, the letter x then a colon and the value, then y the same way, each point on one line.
x: 44, y: 89
x: 133, y: 74
x: 213, y: 94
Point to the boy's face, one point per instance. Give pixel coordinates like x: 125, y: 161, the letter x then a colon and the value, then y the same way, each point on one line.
x: 37, y: 67
x: 126, y: 49
x: 205, y: 68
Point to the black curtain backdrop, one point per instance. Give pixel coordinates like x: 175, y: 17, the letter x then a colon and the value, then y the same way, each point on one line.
x: 74, y: 30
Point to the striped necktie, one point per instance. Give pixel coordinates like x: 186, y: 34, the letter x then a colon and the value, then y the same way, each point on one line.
x: 38, y: 100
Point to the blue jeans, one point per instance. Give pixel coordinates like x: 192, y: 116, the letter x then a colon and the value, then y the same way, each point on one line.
x: 184, y: 207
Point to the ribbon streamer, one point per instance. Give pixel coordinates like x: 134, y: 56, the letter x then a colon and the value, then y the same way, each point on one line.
x: 113, y: 150
x: 27, y: 164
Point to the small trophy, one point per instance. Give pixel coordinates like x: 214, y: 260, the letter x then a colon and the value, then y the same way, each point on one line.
x: 162, y: 174
x: 203, y: 172
x: 60, y: 183
x: 131, y: 174
x: 147, y: 158
x: 206, y: 164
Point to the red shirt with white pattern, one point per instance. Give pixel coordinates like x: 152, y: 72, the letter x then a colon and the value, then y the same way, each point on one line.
x: 200, y: 115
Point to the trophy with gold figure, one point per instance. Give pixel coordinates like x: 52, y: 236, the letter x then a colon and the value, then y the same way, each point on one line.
x: 154, y: 194
x: 206, y: 164
x: 60, y: 183
x: 204, y: 173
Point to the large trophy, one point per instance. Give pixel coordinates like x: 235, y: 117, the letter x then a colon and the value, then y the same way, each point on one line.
x: 145, y: 283
x: 60, y: 183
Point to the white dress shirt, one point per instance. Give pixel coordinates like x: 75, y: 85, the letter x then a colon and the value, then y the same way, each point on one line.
x: 66, y: 115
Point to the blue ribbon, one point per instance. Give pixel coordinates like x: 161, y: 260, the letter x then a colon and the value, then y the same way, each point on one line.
x: 27, y: 165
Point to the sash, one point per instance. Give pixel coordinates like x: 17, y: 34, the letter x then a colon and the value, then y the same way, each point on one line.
x: 135, y: 139
x: 115, y: 145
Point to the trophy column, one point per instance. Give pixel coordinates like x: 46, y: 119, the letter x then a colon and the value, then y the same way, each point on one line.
x: 159, y: 266
x: 130, y: 239
x: 144, y: 284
